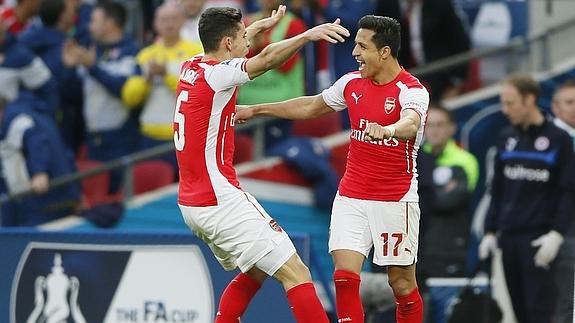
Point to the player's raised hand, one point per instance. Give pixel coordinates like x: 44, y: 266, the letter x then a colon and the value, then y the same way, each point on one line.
x: 269, y: 22
x: 243, y: 113
x: 332, y: 32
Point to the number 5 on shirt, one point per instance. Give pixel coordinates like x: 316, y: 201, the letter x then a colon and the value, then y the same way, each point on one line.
x: 179, y: 135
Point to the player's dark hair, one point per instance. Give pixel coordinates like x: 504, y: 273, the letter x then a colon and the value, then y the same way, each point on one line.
x: 444, y: 110
x: 50, y: 11
x: 114, y: 11
x: 217, y: 23
x: 525, y: 85
x: 387, y: 32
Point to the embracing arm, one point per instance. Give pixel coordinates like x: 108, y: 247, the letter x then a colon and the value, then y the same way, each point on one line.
x: 305, y: 107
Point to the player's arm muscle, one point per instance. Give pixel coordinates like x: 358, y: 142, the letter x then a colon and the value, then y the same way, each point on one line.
x: 305, y: 107
x: 274, y: 55
x: 407, y: 125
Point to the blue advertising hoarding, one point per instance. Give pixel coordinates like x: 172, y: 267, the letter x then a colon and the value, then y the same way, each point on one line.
x: 126, y: 277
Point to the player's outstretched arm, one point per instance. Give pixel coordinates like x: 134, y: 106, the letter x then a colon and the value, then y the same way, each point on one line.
x: 275, y: 54
x: 265, y: 23
x: 304, y: 107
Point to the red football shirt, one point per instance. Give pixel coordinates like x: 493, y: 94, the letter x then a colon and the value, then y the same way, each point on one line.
x: 203, y: 129
x: 384, y: 170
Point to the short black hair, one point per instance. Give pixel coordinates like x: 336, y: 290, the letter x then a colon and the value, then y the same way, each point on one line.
x: 387, y: 32
x: 50, y: 11
x: 217, y: 23
x: 114, y: 11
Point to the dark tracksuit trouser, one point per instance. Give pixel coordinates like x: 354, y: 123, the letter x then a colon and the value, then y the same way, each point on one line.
x: 531, y: 289
x: 564, y: 270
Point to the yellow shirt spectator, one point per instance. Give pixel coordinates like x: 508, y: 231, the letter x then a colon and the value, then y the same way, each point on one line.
x: 157, y: 116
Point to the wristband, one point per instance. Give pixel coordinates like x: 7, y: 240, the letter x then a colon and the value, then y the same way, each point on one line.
x: 391, y: 131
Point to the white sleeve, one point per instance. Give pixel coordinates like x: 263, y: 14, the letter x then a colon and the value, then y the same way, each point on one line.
x: 226, y: 74
x: 35, y: 74
x: 414, y: 98
x: 333, y: 96
x: 14, y: 167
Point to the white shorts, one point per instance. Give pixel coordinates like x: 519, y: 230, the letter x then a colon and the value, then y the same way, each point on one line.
x: 240, y: 233
x: 393, y: 227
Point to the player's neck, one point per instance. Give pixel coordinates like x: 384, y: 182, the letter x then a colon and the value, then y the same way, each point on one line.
x: 535, y: 118
x: 218, y: 56
x: 388, y: 73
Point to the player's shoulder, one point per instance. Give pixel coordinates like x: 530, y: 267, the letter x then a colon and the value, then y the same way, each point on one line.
x: 235, y: 63
x: 349, y: 78
x: 407, y: 81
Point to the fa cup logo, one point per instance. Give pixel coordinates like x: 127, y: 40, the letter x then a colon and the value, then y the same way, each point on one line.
x: 56, y: 297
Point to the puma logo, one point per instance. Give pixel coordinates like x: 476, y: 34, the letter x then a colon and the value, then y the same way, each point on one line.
x: 356, y: 97
x: 407, y: 250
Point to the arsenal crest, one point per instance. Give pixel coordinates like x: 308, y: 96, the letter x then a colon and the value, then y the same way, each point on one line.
x: 389, y: 105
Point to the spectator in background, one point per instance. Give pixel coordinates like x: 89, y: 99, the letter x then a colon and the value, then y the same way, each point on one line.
x: 455, y: 174
x: 193, y: 10
x: 21, y: 70
x: 46, y: 39
x: 422, y: 22
x: 161, y: 64
x: 81, y: 27
x: 113, y: 87
x: 17, y: 18
x: 531, y: 200
x: 316, y: 56
x: 285, y: 82
x: 564, y: 109
x: 32, y: 154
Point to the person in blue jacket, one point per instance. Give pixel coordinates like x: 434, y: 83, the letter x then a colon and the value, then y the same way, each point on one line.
x: 46, y: 38
x: 31, y: 155
x: 113, y: 86
x: 21, y: 70
x: 531, y: 200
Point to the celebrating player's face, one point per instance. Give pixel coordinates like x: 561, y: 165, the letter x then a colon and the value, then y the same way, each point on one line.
x: 366, y: 53
x: 240, y: 43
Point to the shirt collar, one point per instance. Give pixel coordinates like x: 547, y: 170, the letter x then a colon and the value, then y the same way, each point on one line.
x: 561, y: 124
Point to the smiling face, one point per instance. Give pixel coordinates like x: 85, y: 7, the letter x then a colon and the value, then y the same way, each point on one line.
x: 367, y: 55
